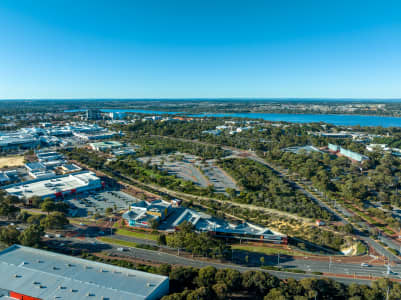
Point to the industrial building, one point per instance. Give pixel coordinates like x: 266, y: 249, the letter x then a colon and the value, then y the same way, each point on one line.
x: 58, y: 186
x: 29, y: 273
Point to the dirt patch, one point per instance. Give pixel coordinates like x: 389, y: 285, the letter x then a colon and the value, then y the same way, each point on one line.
x: 11, y: 161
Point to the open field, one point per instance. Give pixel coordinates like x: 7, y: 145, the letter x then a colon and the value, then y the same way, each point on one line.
x: 268, y: 250
x: 11, y: 161
x: 109, y: 240
x: 139, y: 235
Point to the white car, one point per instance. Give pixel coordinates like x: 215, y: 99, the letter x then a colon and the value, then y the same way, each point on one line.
x: 365, y: 265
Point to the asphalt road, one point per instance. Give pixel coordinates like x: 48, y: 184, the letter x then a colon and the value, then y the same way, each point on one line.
x: 306, y: 264
x: 161, y: 257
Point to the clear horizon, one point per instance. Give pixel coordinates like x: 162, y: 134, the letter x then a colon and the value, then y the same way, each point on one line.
x: 200, y: 50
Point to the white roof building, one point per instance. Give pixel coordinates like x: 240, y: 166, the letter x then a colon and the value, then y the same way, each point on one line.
x: 55, y: 187
x: 47, y: 275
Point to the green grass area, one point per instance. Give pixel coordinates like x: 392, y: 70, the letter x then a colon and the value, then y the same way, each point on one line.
x: 117, y: 242
x: 113, y: 241
x: 35, y: 212
x: 139, y: 235
x: 361, y: 249
x: 268, y: 250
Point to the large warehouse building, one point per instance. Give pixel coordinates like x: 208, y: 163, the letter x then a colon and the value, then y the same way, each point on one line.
x: 28, y: 273
x: 56, y: 187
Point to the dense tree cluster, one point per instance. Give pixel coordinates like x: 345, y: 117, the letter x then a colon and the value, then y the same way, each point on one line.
x: 201, y: 244
x: 28, y: 237
x: 375, y: 181
x: 262, y: 187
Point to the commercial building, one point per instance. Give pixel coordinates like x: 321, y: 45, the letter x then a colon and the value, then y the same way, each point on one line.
x: 117, y: 115
x: 17, y: 141
x: 69, y: 168
x: 98, y: 135
x: 335, y: 135
x: 142, y: 213
x: 299, y: 149
x: 334, y: 148
x: 347, y: 153
x: 58, y: 186
x: 28, y: 273
x: 93, y: 114
x: 6, y: 177
x: 104, y: 146
x: 44, y: 156
x: 220, y: 228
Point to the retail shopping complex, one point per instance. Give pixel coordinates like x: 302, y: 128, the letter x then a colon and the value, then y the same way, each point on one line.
x: 57, y: 186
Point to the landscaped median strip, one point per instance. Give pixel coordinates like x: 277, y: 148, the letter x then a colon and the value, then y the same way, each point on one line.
x: 117, y: 242
x: 114, y: 241
x: 373, y: 278
x: 139, y: 235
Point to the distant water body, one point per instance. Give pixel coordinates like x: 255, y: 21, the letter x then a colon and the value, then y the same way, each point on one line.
x: 293, y: 118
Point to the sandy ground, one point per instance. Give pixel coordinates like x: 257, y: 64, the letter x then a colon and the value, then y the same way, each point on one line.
x: 11, y: 161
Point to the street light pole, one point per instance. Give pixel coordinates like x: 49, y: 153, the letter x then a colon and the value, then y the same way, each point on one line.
x: 330, y: 264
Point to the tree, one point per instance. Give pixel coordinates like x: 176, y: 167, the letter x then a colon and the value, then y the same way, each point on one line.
x: 275, y: 294
x: 201, y: 293
x: 9, y: 235
x: 154, y: 223
x: 182, y: 277
x: 206, y: 276
x: 108, y: 210
x: 161, y: 239
x: 232, y: 278
x: 35, y: 219
x: 8, y: 210
x: 48, y: 205
x: 56, y: 220
x: 259, y: 282
x: 35, y: 201
x: 221, y: 290
x: 31, y: 236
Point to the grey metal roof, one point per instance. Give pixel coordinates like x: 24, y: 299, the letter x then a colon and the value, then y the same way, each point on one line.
x: 48, y: 275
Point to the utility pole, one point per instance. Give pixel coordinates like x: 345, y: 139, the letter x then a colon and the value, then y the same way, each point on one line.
x: 278, y: 259
x: 330, y: 264
x: 387, y: 292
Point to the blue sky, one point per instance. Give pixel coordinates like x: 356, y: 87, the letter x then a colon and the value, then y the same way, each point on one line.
x: 200, y: 48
